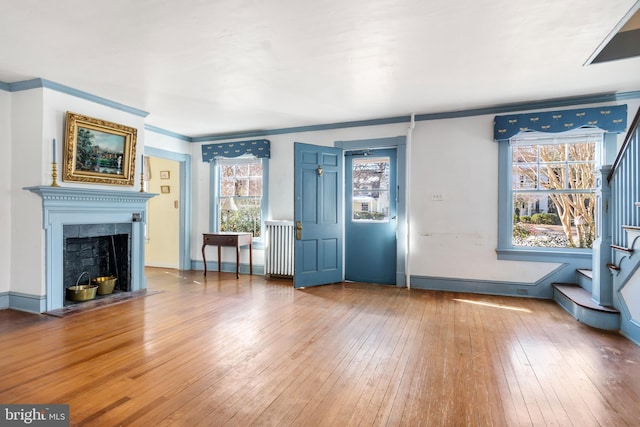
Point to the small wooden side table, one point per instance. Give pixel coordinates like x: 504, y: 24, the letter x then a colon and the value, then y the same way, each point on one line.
x: 228, y: 239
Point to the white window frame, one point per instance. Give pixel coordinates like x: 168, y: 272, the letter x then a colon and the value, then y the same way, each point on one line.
x: 506, y: 249
x: 215, y: 181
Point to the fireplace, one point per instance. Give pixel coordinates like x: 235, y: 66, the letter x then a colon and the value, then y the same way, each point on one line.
x: 104, y: 230
x: 98, y: 250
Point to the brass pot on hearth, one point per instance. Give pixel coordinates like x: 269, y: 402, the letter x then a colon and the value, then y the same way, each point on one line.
x: 106, y: 284
x: 79, y: 293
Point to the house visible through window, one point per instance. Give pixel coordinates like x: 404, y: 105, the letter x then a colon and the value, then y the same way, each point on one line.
x: 553, y: 190
x: 370, y: 189
x: 240, y: 195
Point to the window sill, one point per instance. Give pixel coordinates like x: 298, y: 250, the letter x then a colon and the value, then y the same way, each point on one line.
x: 542, y: 254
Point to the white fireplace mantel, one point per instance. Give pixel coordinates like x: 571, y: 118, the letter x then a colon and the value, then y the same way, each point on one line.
x: 70, y: 205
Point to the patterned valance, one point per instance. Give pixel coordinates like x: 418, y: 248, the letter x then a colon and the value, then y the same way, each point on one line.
x: 258, y: 147
x: 610, y: 119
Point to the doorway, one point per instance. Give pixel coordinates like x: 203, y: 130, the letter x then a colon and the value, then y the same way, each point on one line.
x: 163, y: 222
x: 370, y: 216
x: 170, y: 180
x: 399, y: 145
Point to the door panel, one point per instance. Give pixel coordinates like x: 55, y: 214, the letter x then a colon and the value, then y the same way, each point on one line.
x: 371, y: 216
x: 318, y: 215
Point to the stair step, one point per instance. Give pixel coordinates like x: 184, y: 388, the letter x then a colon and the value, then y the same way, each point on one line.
x: 577, y: 302
x: 581, y: 297
x: 622, y: 249
x: 585, y: 272
x: 613, y: 267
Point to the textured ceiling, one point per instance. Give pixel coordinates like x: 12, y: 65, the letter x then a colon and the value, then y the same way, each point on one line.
x: 214, y: 67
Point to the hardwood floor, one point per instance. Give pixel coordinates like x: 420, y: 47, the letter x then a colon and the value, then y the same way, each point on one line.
x: 220, y: 351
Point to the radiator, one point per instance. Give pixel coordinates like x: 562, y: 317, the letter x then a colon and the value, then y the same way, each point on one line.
x: 279, y: 253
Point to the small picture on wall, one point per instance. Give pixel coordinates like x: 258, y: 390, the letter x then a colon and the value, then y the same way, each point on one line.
x: 164, y: 175
x: 165, y: 189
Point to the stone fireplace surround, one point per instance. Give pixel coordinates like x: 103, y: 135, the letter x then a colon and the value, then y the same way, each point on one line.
x: 62, y: 206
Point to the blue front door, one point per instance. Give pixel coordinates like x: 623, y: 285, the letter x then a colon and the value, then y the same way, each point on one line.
x: 317, y: 215
x: 371, y: 216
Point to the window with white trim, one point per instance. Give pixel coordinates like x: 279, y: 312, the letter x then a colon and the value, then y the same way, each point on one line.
x: 552, y: 189
x: 239, y: 194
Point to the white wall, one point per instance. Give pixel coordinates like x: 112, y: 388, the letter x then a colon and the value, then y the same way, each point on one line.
x: 456, y: 158
x: 38, y: 116
x: 29, y: 168
x: 5, y: 191
x: 453, y: 238
x: 280, y: 179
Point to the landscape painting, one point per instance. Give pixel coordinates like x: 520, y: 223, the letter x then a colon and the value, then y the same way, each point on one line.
x: 97, y: 151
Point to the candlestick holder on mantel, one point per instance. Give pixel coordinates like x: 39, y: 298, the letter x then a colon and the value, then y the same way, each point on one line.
x: 54, y: 174
x: 142, y: 183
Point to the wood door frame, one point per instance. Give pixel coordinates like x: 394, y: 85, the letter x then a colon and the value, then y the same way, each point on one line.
x: 400, y: 144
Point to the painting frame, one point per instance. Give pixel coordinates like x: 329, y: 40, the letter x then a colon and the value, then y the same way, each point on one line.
x: 165, y: 174
x: 165, y: 189
x: 98, y: 151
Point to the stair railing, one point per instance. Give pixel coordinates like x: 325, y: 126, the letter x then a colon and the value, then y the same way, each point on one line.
x: 624, y: 181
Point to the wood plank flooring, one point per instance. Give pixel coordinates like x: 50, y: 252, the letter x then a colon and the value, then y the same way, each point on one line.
x: 255, y: 352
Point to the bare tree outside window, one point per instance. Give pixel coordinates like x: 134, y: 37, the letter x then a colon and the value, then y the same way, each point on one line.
x: 553, y: 187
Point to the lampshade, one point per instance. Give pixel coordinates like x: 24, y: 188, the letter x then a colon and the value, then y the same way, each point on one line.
x: 228, y: 204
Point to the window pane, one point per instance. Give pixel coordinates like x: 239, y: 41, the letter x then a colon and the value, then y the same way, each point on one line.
x: 240, y: 215
x: 370, y: 189
x: 525, y: 154
x: 586, y: 151
x: 581, y: 176
x: 241, y: 197
x: 553, y: 153
x: 242, y: 187
x: 553, y: 177
x: 255, y: 187
x: 242, y: 170
x: 524, y: 177
x: 553, y: 220
x: 227, y: 187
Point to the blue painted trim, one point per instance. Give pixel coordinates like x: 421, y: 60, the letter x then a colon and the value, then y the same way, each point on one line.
x: 42, y: 83
x: 488, y: 287
x: 214, y: 191
x: 497, y: 109
x: 545, y: 255
x: 227, y: 267
x: 165, y: 132
x: 542, y: 288
x: 631, y: 330
x: 300, y: 129
x: 4, y: 300
x: 184, y: 203
x: 28, y: 303
x: 597, y: 319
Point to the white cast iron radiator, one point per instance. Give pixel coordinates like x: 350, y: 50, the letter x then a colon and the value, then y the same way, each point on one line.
x: 279, y: 253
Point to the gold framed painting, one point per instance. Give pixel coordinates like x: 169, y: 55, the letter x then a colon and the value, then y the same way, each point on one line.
x: 98, y: 151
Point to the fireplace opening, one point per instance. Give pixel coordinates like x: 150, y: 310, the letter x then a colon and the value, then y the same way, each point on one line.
x: 88, y: 249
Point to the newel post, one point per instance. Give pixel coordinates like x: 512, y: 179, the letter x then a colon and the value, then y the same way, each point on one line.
x: 602, y: 284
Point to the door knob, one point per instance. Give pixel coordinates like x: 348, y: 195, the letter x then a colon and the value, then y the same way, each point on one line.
x: 298, y: 230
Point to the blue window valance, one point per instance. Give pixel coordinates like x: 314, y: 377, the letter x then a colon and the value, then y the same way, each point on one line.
x: 258, y: 147
x: 610, y: 119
